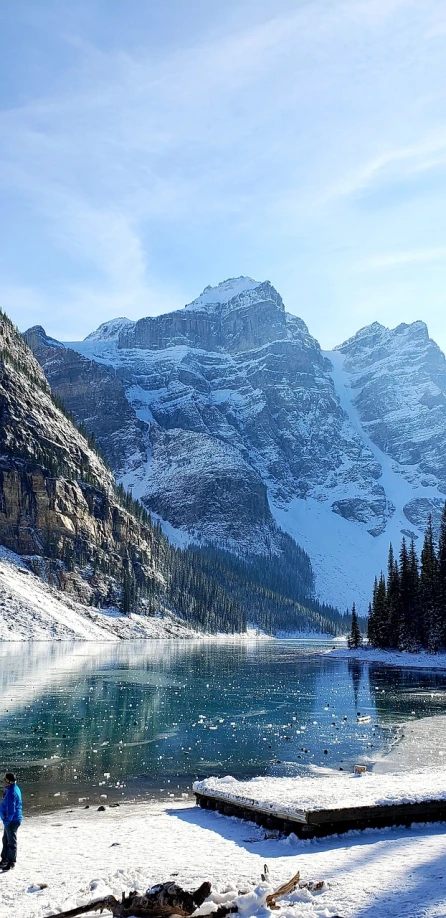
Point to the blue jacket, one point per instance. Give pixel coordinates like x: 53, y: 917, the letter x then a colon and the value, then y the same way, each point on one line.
x: 11, y: 805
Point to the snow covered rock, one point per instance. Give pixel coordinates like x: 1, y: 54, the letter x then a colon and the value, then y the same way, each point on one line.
x: 398, y: 377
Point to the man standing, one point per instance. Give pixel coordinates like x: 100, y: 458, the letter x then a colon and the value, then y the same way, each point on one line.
x: 11, y: 816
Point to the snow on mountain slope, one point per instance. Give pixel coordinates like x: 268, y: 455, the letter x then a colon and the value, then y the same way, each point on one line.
x: 31, y: 610
x: 227, y: 423
x: 241, y: 424
x: 398, y: 380
x: 110, y: 330
x: 223, y: 292
x: 346, y: 558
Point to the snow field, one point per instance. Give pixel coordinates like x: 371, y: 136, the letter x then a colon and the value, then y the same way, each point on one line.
x: 81, y: 855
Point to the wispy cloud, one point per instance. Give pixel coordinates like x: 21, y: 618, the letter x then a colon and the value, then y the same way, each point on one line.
x: 393, y: 163
x: 398, y: 259
x: 152, y: 167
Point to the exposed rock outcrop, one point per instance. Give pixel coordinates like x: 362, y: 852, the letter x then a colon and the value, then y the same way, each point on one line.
x: 398, y: 380
x: 58, y: 501
x: 95, y: 396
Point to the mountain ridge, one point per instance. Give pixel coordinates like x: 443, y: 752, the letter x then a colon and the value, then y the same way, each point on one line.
x: 247, y: 425
x: 63, y: 513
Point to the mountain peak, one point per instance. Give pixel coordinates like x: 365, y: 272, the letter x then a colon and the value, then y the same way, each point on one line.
x: 368, y: 332
x: 370, y: 335
x: 223, y: 292
x: 38, y: 334
x: 109, y: 330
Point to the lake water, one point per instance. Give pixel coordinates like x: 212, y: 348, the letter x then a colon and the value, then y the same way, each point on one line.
x: 145, y: 719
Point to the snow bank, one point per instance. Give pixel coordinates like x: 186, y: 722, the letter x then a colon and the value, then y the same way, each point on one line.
x: 31, y: 610
x: 392, y: 657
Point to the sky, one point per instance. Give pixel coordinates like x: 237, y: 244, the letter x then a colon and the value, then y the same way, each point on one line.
x: 149, y: 148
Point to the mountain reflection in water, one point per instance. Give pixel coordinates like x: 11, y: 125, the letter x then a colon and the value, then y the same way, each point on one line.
x: 138, y: 719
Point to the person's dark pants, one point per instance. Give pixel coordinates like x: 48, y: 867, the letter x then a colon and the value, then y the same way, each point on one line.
x: 9, y: 847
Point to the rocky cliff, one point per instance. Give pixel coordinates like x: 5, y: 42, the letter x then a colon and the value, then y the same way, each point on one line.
x: 94, y: 395
x: 396, y: 380
x: 58, y: 502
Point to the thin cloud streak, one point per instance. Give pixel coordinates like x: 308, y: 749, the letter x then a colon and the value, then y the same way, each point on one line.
x: 396, y: 259
x: 147, y: 173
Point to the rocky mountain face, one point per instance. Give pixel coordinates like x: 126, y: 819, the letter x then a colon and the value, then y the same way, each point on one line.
x: 62, y: 512
x: 58, y: 503
x: 238, y: 407
x: 398, y: 385
x: 95, y: 396
x: 227, y: 420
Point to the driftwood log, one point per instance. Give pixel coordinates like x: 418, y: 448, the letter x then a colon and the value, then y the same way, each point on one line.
x: 288, y: 887
x: 158, y: 902
x: 167, y: 899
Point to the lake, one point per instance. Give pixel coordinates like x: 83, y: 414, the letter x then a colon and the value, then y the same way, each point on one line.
x: 145, y: 719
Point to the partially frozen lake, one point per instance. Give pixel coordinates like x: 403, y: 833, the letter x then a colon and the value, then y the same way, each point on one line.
x: 145, y: 719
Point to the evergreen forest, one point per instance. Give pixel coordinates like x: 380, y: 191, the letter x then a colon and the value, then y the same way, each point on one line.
x: 408, y: 609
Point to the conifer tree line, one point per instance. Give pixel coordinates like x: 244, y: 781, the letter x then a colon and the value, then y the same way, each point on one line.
x: 408, y: 609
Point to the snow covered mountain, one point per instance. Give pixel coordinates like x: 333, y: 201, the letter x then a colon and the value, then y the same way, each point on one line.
x: 62, y: 513
x: 227, y: 420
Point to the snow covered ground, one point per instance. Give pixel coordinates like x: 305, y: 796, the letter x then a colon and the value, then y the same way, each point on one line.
x: 83, y: 854
x: 400, y: 659
x: 31, y: 610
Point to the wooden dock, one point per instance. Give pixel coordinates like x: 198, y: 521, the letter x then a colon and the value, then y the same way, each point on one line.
x: 315, y: 822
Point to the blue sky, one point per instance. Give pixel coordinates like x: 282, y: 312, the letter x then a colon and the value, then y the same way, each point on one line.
x: 151, y: 147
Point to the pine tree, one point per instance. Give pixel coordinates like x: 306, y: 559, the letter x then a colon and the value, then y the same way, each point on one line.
x: 404, y: 597
x: 126, y: 600
x: 393, y: 600
x: 442, y: 576
x: 413, y: 632
x: 381, y: 615
x: 355, y: 636
x: 371, y: 623
x: 429, y: 599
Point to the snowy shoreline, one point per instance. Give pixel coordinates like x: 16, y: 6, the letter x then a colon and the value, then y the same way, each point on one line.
x: 401, y: 659
x: 82, y: 854
x: 33, y: 611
